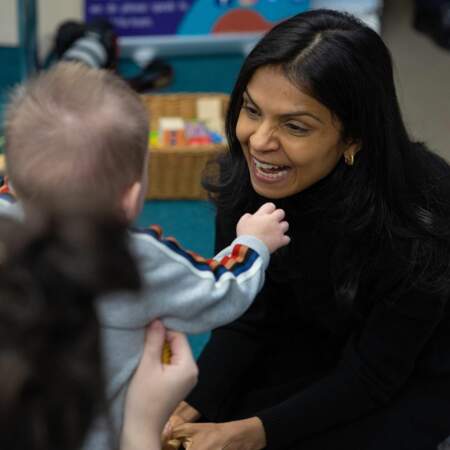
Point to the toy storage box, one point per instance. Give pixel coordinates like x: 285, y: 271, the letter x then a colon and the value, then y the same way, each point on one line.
x: 175, y: 172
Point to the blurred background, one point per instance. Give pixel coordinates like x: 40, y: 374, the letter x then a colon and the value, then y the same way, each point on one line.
x: 422, y: 67
x: 199, y: 45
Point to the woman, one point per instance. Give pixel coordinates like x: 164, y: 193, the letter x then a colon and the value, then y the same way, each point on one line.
x: 50, y: 367
x: 347, y: 346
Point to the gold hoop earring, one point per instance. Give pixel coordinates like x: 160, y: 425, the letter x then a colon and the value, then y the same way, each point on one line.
x: 349, y: 159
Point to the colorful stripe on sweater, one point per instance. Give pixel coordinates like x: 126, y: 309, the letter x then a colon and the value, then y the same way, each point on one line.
x: 5, y: 189
x: 5, y: 192
x: 239, y: 261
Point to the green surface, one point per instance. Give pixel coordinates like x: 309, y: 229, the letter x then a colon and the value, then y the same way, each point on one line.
x: 10, y: 75
x: 10, y: 63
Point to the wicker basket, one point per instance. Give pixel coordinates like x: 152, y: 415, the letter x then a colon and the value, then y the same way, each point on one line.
x: 175, y: 172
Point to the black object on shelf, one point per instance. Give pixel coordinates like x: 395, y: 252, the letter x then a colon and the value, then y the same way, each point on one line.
x: 155, y: 75
x: 96, y: 45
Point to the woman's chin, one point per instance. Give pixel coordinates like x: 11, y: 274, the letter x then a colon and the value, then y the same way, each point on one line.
x: 270, y: 191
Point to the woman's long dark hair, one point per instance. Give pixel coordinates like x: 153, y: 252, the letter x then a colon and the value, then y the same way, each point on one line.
x: 51, y: 381
x: 397, y: 188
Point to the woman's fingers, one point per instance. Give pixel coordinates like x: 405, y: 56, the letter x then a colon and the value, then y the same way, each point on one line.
x: 169, y: 442
x: 186, y: 430
x: 173, y: 444
x: 203, y: 436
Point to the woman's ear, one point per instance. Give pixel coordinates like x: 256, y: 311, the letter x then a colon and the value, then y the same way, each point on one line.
x: 352, y: 148
x: 131, y: 201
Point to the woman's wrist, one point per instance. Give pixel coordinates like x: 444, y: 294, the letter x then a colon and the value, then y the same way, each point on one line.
x: 252, y: 431
x: 187, y: 412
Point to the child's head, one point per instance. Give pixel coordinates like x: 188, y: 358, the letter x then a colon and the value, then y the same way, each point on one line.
x: 51, y: 271
x: 77, y: 136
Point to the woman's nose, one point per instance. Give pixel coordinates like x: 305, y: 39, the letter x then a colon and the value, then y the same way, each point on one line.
x: 264, y: 138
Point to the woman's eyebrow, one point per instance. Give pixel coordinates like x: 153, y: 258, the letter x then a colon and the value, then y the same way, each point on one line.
x: 250, y: 97
x: 289, y: 114
x: 302, y: 113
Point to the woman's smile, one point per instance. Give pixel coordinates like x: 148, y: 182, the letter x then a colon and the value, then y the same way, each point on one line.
x: 267, y: 172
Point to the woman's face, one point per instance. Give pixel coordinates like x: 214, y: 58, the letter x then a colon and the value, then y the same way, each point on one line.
x: 289, y: 139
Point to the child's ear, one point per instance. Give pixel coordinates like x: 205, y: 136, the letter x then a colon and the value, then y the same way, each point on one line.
x: 131, y: 201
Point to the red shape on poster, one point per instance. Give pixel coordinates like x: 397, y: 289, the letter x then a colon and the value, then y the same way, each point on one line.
x: 241, y: 20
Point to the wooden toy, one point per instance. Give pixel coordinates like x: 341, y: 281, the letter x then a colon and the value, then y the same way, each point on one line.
x: 166, y: 353
x: 171, y: 132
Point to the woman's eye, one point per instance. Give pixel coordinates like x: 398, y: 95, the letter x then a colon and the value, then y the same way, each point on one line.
x: 295, y: 128
x: 250, y: 110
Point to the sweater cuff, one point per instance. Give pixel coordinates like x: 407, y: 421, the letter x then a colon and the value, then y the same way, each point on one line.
x: 275, y: 434
x: 209, y: 412
x: 255, y: 244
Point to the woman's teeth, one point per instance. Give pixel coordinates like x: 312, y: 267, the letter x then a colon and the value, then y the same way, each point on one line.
x: 271, y: 171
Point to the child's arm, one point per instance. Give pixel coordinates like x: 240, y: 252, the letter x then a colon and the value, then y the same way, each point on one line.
x: 193, y: 294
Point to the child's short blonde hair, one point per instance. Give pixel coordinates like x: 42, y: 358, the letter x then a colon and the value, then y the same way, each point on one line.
x: 75, y: 134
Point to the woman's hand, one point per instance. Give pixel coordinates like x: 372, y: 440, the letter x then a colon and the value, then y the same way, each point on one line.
x: 156, y: 388
x: 247, y: 434
x: 184, y: 413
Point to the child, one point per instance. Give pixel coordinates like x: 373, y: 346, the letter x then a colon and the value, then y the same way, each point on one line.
x: 51, y: 382
x: 76, y: 138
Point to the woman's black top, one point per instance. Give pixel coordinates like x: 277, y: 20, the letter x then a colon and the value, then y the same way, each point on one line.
x: 319, y: 379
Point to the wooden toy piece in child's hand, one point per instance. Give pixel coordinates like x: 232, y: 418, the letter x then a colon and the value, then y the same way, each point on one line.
x: 166, y: 353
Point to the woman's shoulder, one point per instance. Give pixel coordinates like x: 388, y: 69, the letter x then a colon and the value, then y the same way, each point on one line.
x: 431, y: 171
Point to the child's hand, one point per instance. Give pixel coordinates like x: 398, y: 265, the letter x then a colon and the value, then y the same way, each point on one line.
x: 266, y: 224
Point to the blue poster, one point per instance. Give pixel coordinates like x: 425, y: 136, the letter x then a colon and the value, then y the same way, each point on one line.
x: 191, y: 17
